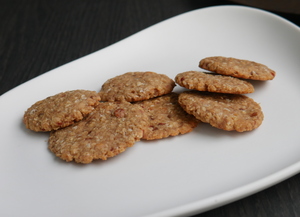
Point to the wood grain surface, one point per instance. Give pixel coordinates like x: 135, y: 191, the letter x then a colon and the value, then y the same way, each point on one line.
x: 287, y: 6
x: 39, y: 35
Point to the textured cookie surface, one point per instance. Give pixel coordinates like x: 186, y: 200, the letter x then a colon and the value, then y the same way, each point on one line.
x: 107, y: 131
x: 201, y: 81
x: 237, y: 68
x: 224, y: 111
x: 166, y: 117
x: 136, y: 86
x: 60, y: 110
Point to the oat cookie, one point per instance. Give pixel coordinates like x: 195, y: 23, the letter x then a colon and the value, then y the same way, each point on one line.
x: 202, y: 81
x: 60, y: 110
x: 136, y: 86
x: 166, y: 117
x: 224, y: 111
x: 237, y: 68
x: 106, y: 132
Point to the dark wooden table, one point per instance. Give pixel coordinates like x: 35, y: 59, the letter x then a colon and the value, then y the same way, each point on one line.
x: 39, y: 35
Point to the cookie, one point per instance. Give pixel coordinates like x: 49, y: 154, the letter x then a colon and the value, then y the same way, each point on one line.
x: 237, y: 68
x: 166, y: 117
x: 136, y: 86
x: 201, y: 81
x: 224, y: 111
x: 106, y: 132
x: 60, y: 110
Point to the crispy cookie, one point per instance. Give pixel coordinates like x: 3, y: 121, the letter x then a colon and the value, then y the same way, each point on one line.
x: 224, y: 111
x: 60, y: 110
x: 106, y: 132
x: 136, y: 86
x: 166, y: 117
x: 201, y: 81
x: 237, y: 68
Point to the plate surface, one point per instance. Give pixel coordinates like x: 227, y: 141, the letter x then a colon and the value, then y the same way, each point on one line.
x: 182, y: 175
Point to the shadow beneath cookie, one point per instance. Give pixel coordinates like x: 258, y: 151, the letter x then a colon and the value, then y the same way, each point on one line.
x: 258, y: 85
x: 112, y: 160
x: 162, y: 140
x: 73, y: 164
x: 203, y: 132
x: 206, y: 130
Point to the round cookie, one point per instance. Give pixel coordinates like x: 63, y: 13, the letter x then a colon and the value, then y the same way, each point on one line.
x: 201, y: 81
x: 106, y: 132
x: 166, y: 117
x: 237, y: 68
x: 136, y: 86
x: 224, y: 111
x: 60, y: 110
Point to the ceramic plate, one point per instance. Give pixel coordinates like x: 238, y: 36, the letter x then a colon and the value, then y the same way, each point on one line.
x: 182, y: 175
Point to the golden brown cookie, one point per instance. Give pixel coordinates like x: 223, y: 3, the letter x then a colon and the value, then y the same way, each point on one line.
x: 201, y: 81
x: 166, y: 117
x: 106, y: 132
x: 224, y: 111
x: 136, y: 86
x: 237, y: 68
x: 60, y: 110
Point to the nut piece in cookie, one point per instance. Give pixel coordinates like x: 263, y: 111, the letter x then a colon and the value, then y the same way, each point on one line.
x: 60, y: 110
x: 136, y: 86
x: 237, y: 68
x: 166, y: 117
x: 201, y: 81
x: 224, y: 111
x: 106, y: 132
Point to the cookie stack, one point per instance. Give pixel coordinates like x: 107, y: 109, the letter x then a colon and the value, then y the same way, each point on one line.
x: 152, y: 92
x: 85, y: 125
x: 217, y: 97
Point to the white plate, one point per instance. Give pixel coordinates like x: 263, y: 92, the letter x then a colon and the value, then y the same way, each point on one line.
x: 176, y: 176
